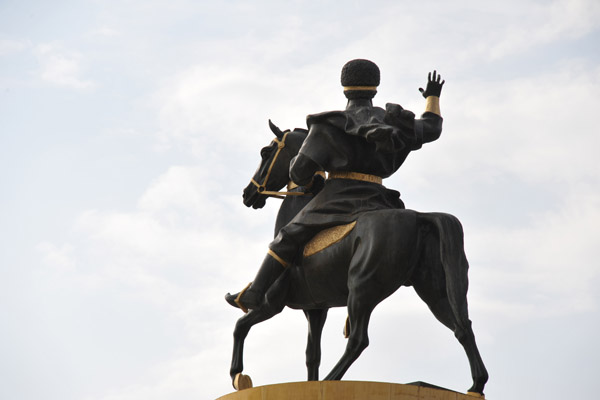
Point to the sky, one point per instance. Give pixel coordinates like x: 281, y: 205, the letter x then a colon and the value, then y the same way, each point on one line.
x: 128, y: 130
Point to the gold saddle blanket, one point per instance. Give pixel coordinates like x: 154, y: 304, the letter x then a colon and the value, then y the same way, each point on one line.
x: 327, y: 237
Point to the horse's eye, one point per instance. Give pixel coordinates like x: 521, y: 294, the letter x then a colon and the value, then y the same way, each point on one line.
x: 264, y: 152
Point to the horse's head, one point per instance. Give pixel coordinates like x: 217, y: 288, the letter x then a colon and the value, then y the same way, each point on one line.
x: 273, y: 172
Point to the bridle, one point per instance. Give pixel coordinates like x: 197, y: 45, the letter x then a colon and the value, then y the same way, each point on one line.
x: 261, y: 188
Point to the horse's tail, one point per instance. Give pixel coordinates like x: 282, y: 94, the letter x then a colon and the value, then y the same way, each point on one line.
x: 449, y: 232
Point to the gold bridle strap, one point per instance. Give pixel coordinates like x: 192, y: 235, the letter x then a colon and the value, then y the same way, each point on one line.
x: 280, y: 195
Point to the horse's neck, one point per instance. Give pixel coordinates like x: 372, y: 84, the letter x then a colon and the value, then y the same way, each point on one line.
x: 292, y: 204
x: 289, y: 208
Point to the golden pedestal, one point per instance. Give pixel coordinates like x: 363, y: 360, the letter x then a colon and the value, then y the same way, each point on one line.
x: 345, y: 390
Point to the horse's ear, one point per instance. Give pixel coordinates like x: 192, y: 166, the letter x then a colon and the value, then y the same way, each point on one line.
x: 275, y: 130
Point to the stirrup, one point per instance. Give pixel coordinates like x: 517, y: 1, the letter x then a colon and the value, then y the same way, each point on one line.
x: 238, y: 299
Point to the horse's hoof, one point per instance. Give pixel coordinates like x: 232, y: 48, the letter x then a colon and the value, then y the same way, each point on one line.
x: 241, y: 382
x: 477, y: 395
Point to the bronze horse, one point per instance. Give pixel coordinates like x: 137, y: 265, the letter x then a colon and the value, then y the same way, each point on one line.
x: 385, y: 250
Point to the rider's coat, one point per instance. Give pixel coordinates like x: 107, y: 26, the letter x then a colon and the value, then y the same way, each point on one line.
x: 365, y: 140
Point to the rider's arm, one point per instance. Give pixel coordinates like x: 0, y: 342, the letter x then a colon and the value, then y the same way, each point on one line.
x: 302, y: 169
x: 320, y: 151
x: 431, y: 125
x: 431, y: 120
x: 311, y: 157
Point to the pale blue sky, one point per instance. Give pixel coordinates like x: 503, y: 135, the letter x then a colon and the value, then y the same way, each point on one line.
x: 129, y: 128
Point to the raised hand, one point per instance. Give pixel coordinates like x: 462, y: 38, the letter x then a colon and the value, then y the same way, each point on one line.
x: 434, y: 86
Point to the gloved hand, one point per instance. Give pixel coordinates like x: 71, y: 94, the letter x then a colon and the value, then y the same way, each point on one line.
x: 434, y: 86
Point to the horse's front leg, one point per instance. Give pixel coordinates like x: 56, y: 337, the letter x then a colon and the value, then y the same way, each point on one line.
x: 316, y: 321
x: 242, y: 328
x: 273, y: 304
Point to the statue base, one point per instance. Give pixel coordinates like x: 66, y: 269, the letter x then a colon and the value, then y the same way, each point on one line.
x: 347, y: 390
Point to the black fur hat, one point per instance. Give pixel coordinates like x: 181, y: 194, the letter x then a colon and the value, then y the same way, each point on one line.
x: 360, y: 78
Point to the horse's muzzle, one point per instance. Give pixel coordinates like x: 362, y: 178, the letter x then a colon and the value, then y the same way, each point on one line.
x: 252, y: 198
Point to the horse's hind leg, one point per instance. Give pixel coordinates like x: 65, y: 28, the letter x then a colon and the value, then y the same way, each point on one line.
x: 359, y: 313
x: 446, y: 296
x: 316, y: 321
x: 442, y: 310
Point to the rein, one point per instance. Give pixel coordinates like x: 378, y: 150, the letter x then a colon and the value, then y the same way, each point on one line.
x: 261, y: 188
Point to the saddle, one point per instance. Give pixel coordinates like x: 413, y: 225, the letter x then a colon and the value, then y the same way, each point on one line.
x: 326, y: 238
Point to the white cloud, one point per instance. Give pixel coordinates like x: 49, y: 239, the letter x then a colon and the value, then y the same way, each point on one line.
x: 210, y: 106
x: 177, y: 240
x: 58, y: 258
x: 184, y: 377
x: 60, y: 67
x: 174, y: 254
x: 185, y: 188
x: 106, y: 31
x: 229, y: 100
x: 548, y: 265
x: 9, y: 46
x: 543, y: 23
x: 536, y: 128
x: 470, y: 34
x: 171, y: 256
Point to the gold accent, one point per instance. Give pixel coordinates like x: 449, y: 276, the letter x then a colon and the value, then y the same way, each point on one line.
x: 280, y: 145
x: 347, y: 328
x: 357, y: 176
x: 238, y: 299
x: 293, y: 185
x: 347, y: 88
x: 433, y: 105
x: 344, y: 390
x: 262, y: 188
x: 475, y: 394
x: 326, y: 238
x: 241, y: 382
x: 279, y: 259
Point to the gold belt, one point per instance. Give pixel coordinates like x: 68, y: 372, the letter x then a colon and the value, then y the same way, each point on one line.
x: 357, y: 176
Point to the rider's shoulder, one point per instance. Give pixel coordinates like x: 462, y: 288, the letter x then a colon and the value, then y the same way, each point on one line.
x: 334, y: 118
x: 397, y: 111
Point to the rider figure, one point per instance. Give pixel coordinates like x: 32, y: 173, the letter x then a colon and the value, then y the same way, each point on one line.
x: 357, y: 147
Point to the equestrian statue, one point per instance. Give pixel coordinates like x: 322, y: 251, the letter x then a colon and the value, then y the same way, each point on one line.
x: 344, y: 239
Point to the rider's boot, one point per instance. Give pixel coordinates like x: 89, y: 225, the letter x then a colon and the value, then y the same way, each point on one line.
x: 252, y: 295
